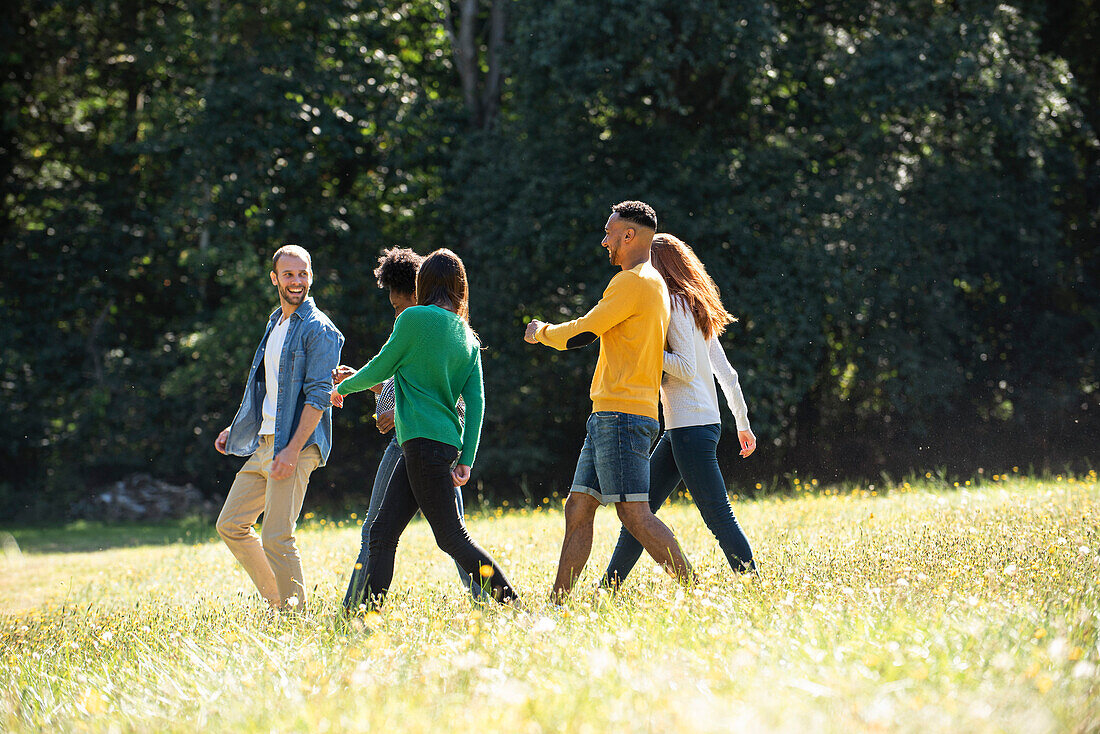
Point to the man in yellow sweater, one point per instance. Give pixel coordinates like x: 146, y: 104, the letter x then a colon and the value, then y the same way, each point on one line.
x: 630, y: 321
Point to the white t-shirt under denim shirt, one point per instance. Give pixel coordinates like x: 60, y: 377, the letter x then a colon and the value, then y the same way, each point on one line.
x: 273, y: 352
x: 691, y: 364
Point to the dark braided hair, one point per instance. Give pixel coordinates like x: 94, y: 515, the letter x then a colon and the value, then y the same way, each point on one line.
x: 396, y: 270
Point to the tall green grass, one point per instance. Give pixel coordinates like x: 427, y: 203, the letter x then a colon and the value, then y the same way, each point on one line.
x: 910, y: 607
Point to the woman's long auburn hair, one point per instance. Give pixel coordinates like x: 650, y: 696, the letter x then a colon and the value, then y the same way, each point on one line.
x: 686, y: 277
x: 441, y: 281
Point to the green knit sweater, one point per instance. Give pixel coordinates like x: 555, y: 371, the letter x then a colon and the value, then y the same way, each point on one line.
x: 434, y: 358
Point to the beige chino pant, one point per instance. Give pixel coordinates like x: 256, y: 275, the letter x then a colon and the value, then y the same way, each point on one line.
x: 272, y: 558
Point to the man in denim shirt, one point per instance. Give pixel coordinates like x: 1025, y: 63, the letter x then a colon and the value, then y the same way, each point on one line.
x: 284, y: 426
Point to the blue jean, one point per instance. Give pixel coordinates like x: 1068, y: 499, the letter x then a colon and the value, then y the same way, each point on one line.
x: 390, y: 457
x: 690, y: 453
x: 614, y: 461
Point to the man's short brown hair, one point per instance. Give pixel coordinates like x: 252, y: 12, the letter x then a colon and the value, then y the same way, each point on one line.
x: 294, y: 250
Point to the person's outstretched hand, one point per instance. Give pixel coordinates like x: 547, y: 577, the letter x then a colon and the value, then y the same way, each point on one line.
x: 342, y: 373
x: 532, y: 328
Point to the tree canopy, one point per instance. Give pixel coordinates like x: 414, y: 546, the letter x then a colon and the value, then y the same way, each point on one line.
x: 899, y: 201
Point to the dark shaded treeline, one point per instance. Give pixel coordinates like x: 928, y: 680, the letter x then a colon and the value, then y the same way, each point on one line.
x: 899, y: 200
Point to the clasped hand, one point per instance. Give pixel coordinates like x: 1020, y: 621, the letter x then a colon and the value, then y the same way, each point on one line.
x: 532, y: 329
x: 748, y: 443
x: 460, y: 475
x: 340, y: 374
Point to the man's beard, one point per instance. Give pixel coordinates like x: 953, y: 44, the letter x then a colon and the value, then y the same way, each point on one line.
x: 294, y: 299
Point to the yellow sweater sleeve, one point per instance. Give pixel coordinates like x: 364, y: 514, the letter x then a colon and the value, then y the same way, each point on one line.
x: 616, y: 305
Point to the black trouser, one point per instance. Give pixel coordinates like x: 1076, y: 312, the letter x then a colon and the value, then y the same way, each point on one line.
x: 422, y: 481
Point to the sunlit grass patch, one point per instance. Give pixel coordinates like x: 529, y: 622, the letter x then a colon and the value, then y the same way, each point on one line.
x: 918, y: 607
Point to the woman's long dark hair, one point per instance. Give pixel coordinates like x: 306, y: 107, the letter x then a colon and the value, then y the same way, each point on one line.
x: 441, y: 281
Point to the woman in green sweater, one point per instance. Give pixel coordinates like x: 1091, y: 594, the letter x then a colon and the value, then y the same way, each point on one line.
x: 434, y: 357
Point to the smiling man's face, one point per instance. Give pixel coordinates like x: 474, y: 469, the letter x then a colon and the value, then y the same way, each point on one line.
x: 292, y: 277
x: 615, y: 233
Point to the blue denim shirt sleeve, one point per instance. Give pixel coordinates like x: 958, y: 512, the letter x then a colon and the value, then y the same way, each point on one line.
x: 323, y: 346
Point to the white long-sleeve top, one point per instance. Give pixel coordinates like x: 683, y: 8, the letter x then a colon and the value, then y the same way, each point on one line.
x: 691, y: 364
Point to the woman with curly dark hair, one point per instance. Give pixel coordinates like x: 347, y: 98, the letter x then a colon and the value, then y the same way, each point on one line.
x: 396, y: 273
x: 435, y: 359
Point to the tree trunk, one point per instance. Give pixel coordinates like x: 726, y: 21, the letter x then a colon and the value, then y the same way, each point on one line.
x: 207, y: 189
x: 465, y: 53
x: 490, y: 99
x: 482, y: 98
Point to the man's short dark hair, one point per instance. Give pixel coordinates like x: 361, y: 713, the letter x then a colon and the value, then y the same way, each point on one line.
x: 637, y: 212
x: 396, y: 270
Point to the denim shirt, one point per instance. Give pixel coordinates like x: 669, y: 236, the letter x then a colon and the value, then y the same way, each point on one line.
x: 310, y: 352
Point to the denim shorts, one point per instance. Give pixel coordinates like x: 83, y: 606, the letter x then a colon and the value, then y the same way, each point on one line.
x: 614, y: 461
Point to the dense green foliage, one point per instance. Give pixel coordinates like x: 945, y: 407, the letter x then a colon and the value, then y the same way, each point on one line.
x: 900, y: 201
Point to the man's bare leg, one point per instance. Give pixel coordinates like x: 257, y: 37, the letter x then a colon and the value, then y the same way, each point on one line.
x: 580, y: 510
x: 656, y: 538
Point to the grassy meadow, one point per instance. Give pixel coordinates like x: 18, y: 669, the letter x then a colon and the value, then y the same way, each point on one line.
x: 915, y: 607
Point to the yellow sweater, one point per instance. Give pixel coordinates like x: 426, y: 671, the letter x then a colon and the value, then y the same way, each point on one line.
x: 630, y: 321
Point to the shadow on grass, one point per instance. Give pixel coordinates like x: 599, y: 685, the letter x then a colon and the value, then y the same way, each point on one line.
x: 83, y: 536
